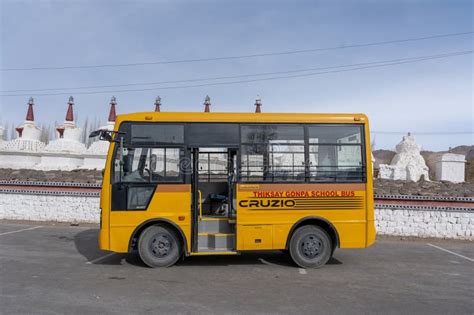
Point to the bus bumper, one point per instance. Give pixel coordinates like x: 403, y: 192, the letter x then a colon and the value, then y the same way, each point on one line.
x: 104, y: 239
x: 371, y: 233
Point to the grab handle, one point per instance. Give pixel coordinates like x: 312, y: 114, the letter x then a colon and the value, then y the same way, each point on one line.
x: 200, y: 205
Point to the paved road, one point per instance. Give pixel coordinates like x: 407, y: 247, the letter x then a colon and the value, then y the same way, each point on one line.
x: 58, y: 269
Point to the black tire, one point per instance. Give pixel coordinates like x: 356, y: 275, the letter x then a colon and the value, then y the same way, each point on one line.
x: 310, y: 247
x: 159, y: 246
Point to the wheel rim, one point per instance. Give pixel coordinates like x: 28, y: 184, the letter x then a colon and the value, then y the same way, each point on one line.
x: 160, y: 245
x: 311, y: 246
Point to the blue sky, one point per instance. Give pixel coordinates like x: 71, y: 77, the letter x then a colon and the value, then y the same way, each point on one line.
x: 433, y: 96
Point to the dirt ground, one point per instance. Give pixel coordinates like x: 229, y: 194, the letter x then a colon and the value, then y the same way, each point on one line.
x: 57, y: 269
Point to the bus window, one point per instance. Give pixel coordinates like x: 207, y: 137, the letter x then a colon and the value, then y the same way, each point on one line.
x: 134, y: 165
x: 156, y: 133
x: 272, y: 133
x: 333, y: 134
x: 252, y: 165
x: 272, y: 153
x: 148, y: 165
x: 164, y: 164
x: 222, y: 135
x: 213, y: 164
x: 335, y: 153
x: 286, y: 161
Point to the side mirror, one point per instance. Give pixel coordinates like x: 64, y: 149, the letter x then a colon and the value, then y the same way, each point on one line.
x: 105, y: 135
x: 95, y: 133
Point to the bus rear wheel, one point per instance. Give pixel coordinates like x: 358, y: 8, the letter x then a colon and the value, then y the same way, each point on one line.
x: 159, y: 246
x: 310, y: 247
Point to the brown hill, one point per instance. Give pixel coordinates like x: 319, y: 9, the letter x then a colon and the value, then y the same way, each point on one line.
x: 383, y: 157
x: 466, y: 150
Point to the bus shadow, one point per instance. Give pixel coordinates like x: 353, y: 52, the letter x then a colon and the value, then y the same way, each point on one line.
x: 251, y: 258
x: 86, y: 243
x: 277, y: 258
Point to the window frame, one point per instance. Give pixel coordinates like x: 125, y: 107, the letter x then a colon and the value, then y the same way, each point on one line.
x: 150, y: 145
x: 180, y: 178
x: 184, y: 147
x: 128, y: 136
x: 362, y: 145
x: 208, y: 176
x: 269, y: 176
x: 307, y: 167
x: 314, y: 168
x: 181, y: 174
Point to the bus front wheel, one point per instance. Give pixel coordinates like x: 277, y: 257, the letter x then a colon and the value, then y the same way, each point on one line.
x: 159, y: 246
x: 310, y: 247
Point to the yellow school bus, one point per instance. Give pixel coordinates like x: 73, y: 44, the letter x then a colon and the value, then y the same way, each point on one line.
x: 184, y: 184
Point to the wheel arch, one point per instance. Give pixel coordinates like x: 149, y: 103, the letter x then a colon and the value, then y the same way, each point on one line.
x: 155, y: 221
x: 318, y: 221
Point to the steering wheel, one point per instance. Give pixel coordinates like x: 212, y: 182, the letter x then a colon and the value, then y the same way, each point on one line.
x: 148, y: 171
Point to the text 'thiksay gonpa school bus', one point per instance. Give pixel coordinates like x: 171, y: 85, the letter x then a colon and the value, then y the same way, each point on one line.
x: 224, y: 183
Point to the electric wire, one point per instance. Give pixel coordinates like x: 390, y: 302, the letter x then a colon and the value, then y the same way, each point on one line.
x: 242, y: 56
x: 231, y: 77
x: 454, y: 54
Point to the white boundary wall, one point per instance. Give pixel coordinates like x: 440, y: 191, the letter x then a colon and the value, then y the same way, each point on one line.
x: 78, y: 209
x: 425, y: 223
x: 49, y: 208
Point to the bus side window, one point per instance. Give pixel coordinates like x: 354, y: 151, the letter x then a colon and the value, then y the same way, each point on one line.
x: 134, y: 166
x: 273, y: 153
x: 164, y: 164
x: 335, y: 153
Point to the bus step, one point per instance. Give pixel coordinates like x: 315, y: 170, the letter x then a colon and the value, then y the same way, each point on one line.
x: 215, y: 226
x: 216, y: 241
x: 206, y: 251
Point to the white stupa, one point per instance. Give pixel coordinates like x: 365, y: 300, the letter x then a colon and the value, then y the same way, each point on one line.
x: 23, y: 151
x: 68, y: 135
x: 96, y: 154
x: 407, y: 164
x: 28, y: 134
x: 65, y: 152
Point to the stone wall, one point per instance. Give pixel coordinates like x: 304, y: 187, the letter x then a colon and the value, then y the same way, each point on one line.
x: 419, y: 223
x: 75, y: 209
x: 424, y: 223
x: 422, y: 188
x: 381, y: 186
x: 76, y: 176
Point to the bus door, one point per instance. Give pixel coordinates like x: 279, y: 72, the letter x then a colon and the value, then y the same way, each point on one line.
x: 214, y: 187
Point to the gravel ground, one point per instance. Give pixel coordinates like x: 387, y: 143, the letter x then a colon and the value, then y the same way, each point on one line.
x: 59, y: 269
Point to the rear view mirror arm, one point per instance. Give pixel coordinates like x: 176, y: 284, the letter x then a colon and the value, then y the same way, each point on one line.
x: 106, y: 135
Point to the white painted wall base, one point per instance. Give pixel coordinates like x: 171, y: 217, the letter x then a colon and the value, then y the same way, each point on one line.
x: 419, y: 223
x: 49, y: 208
x: 19, y: 160
x: 423, y: 223
x: 47, y: 161
x: 60, y: 161
x: 94, y: 162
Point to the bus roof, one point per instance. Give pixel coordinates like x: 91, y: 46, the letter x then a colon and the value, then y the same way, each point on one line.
x: 243, y: 117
